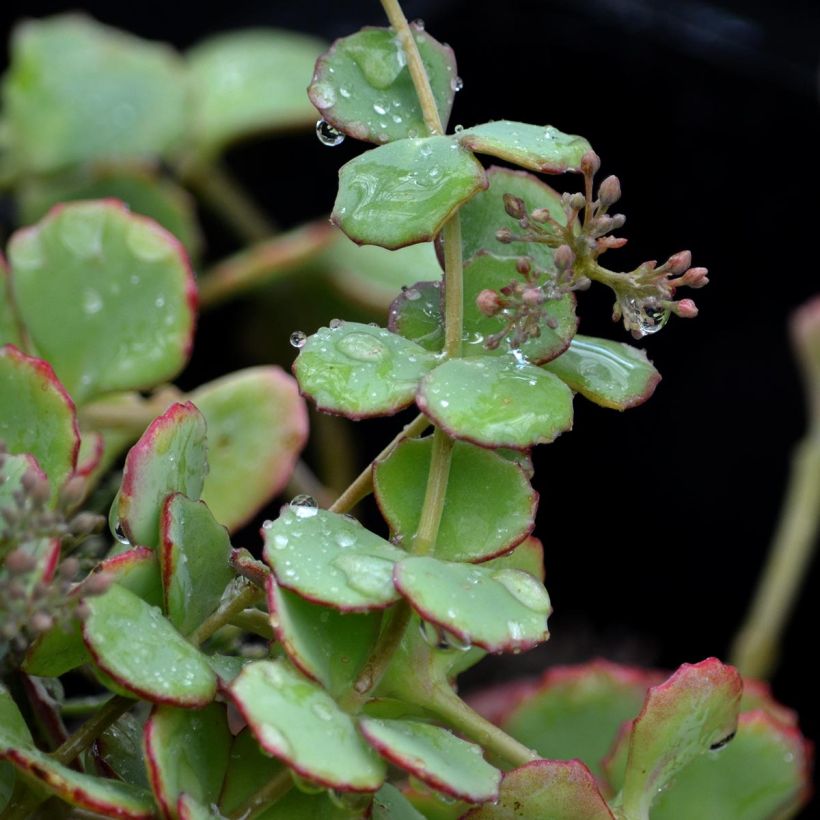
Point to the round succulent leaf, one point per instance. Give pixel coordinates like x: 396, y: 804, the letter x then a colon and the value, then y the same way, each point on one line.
x: 13, y: 733
x: 359, y: 371
x: 257, y: 426
x: 79, y: 91
x: 489, y: 506
x: 403, y: 192
x: 484, y: 214
x: 186, y: 751
x: 390, y: 804
x: 611, y: 374
x: 10, y: 328
x: 757, y: 695
x: 496, y: 401
x: 297, y: 721
x: 362, y: 85
x: 111, y: 798
x: 559, y: 790
x: 372, y: 276
x: 120, y: 749
x: 38, y: 416
x: 326, y: 645
x: 331, y: 559
x: 132, y: 642
x: 500, y: 610
x: 249, y: 82
x: 189, y: 808
x: 140, y: 187
x: 418, y: 315
x: 194, y: 557
x: 576, y: 711
x: 169, y: 457
x: 435, y: 756
x: 107, y: 297
x: 488, y: 272
x: 681, y: 719
x: 541, y: 148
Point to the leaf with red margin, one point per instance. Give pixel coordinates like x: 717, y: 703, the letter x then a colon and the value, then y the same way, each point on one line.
x: 169, y: 457
x: 44, y: 709
x: 111, y: 798
x: 693, y: 711
x: 326, y: 645
x: 248, y: 567
x: 257, y: 426
x: 194, y: 559
x: 554, y: 789
x: 500, y: 610
x: 186, y: 751
x: 390, y: 804
x: 189, y: 808
x: 132, y: 642
x: 10, y: 330
x: 435, y: 756
x: 119, y: 748
x: 757, y: 694
x: 297, y: 721
x: 13, y: 732
x: 107, y: 296
x: 38, y: 415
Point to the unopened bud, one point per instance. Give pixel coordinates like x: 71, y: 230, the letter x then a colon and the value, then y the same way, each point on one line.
x: 563, y: 257
x: 504, y: 235
x: 69, y: 568
x: 590, y: 163
x: 523, y: 265
x: 514, y: 206
x: 40, y: 491
x: 98, y: 582
x: 71, y: 493
x: 686, y: 309
x: 618, y: 221
x: 577, y: 202
x: 19, y: 561
x: 533, y: 297
x: 541, y: 215
x: 85, y: 523
x: 696, y: 278
x: 488, y: 302
x: 609, y: 191
x: 83, y: 610
x: 41, y: 622
x: 604, y: 243
x: 679, y: 262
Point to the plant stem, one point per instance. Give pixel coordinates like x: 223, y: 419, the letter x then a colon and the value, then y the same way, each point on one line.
x: 254, y: 621
x: 756, y: 646
x: 434, y: 495
x: 92, y: 728
x: 245, y: 597
x: 276, y: 787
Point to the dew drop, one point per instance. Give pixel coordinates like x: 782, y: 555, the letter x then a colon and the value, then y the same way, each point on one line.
x: 304, y: 785
x: 367, y: 574
x: 456, y: 84
x: 458, y: 129
x: 280, y: 541
x: 344, y: 539
x: 323, y: 95
x: 453, y: 641
x: 322, y: 710
x: 397, y: 119
x: 92, y: 302
x: 363, y: 347
x: 298, y: 339
x: 432, y: 635
x: 344, y: 92
x: 328, y: 134
x: 525, y: 589
x: 379, y: 109
x: 304, y: 506
x: 335, y: 324
x: 412, y: 294
x: 419, y: 24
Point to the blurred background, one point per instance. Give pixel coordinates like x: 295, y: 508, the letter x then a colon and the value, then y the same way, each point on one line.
x: 655, y: 522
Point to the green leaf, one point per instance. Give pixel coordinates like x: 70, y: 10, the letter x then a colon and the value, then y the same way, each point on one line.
x: 372, y: 276
x: 496, y: 402
x: 326, y: 645
x: 111, y: 798
x: 541, y: 148
x: 9, y: 326
x: 390, y: 804
x: 489, y: 505
x: 194, y: 556
x: 140, y: 187
x: 550, y: 789
x: 13, y: 732
x: 403, y: 192
x: 681, y: 719
x: 13, y: 467
x: 78, y: 91
x: 120, y: 749
x: 331, y: 559
x: 139, y: 649
x: 298, y: 722
x: 362, y: 85
x: 484, y: 214
x: 435, y: 756
x: 169, y: 457
x: 186, y: 752
x: 576, y: 711
x: 418, y: 315
x: 496, y: 609
x: 106, y: 296
x: 611, y: 374
x: 37, y: 415
x: 360, y: 371
x: 257, y: 426
x: 249, y: 82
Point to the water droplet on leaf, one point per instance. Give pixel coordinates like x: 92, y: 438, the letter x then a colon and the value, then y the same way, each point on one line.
x: 328, y: 134
x: 304, y: 506
x: 298, y: 339
x: 363, y: 347
x: 525, y: 589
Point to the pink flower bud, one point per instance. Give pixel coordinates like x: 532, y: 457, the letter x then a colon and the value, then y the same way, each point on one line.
x: 679, y: 262
x: 686, y: 309
x: 515, y: 206
x: 590, y: 163
x: 609, y: 191
x: 489, y: 302
x: 533, y: 297
x: 563, y: 257
x: 696, y: 278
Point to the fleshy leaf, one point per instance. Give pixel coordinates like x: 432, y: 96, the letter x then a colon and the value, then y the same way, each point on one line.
x: 257, y: 426
x: 13, y: 732
x: 435, y: 756
x: 682, y: 718
x: 489, y: 506
x: 139, y: 649
x: 298, y: 722
x: 484, y: 214
x: 326, y: 645
x: 403, y: 192
x: 554, y: 789
x: 331, y: 559
x: 418, y: 315
x: 363, y: 88
x: 107, y: 297
x: 496, y: 609
x: 169, y: 457
x: 249, y: 82
x: 111, y: 798
x: 9, y: 325
x: 119, y: 749
x: 186, y: 751
x: 79, y: 91
x: 194, y: 555
x: 359, y: 371
x: 496, y: 402
x: 541, y: 148
x: 390, y: 804
x: 611, y: 374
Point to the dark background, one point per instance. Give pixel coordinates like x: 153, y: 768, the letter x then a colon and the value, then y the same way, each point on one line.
x: 655, y: 522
